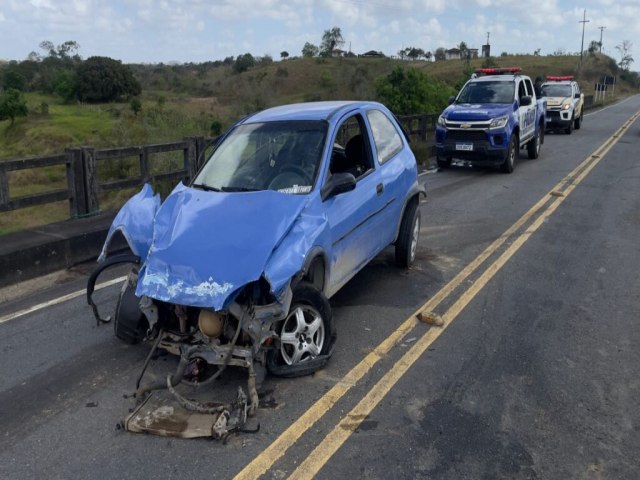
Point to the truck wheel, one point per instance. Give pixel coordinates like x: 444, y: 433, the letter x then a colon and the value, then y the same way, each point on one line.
x: 533, y: 146
x: 444, y: 162
x: 306, y: 333
x: 577, y: 123
x: 129, y: 323
x: 407, y: 242
x: 510, y: 160
x: 569, y: 129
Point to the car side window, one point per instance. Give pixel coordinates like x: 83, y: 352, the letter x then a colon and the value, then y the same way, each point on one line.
x: 351, y: 152
x: 529, y: 87
x: 385, y: 135
x: 522, y: 91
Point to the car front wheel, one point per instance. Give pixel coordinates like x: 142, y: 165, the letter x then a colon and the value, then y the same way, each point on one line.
x: 306, y: 335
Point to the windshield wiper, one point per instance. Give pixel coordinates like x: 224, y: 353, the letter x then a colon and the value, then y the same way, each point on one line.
x: 205, y: 187
x: 240, y: 189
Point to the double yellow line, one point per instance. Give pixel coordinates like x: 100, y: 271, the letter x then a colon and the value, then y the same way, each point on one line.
x: 533, y: 218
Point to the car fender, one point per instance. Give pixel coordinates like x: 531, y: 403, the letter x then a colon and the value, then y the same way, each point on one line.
x: 416, y: 191
x: 135, y: 222
x: 308, y: 238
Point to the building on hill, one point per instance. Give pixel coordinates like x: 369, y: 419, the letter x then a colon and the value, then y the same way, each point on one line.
x: 456, y: 53
x: 372, y: 54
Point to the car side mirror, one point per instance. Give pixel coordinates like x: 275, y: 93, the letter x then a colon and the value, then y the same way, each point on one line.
x: 451, y: 100
x: 577, y: 95
x: 525, y: 101
x: 338, y: 183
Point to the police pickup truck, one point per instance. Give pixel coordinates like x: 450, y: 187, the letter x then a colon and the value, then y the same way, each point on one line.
x: 565, y: 103
x: 494, y: 115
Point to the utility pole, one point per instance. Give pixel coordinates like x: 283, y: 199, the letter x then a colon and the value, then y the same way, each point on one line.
x: 601, y: 29
x: 583, y: 21
x: 488, y: 33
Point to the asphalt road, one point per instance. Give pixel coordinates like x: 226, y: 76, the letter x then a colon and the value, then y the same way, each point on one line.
x: 534, y: 373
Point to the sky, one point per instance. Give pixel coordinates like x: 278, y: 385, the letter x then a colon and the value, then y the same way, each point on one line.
x: 181, y: 31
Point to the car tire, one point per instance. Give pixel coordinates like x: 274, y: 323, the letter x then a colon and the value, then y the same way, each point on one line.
x: 129, y: 323
x: 577, y: 123
x: 408, y: 235
x: 533, y: 146
x: 307, y: 334
x: 512, y: 153
x: 569, y: 129
x: 444, y: 162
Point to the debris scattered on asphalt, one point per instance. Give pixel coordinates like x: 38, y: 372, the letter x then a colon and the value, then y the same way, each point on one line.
x: 431, y: 318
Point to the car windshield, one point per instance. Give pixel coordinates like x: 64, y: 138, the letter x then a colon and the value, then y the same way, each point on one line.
x: 283, y: 156
x: 488, y: 92
x: 556, y: 90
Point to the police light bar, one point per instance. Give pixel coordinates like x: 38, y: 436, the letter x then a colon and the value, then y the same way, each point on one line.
x: 560, y: 79
x: 497, y: 71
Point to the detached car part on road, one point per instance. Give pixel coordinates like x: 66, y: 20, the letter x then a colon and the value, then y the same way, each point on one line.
x: 237, y: 267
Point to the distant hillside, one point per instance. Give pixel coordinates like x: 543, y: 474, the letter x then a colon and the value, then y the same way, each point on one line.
x: 200, y: 99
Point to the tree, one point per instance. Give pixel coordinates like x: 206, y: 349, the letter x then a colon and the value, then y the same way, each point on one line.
x: 12, y: 105
x: 331, y: 39
x: 411, y: 91
x: 594, y: 47
x: 284, y: 54
x: 310, y: 50
x: 103, y: 79
x: 243, y: 63
x: 625, y: 56
x: 66, y: 85
x: 12, y: 78
x: 440, y: 54
x: 465, y: 53
x: 136, y: 106
x: 427, y: 56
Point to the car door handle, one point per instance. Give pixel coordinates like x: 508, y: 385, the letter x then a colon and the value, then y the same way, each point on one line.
x: 379, y: 189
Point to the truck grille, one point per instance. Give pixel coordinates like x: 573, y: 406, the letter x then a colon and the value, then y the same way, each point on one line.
x: 467, y: 135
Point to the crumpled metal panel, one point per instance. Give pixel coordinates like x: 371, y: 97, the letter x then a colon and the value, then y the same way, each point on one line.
x: 208, y: 245
x: 135, y: 222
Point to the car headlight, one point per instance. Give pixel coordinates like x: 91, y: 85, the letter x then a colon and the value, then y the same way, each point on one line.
x: 566, y: 106
x: 441, y: 121
x: 499, y: 122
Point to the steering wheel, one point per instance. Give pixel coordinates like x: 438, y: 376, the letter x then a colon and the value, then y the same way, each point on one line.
x: 296, y: 169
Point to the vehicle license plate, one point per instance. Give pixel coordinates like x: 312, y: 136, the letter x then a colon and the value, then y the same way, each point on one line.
x: 466, y: 147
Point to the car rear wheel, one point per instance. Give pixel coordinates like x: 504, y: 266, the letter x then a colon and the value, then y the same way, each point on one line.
x: 510, y: 160
x: 444, y: 162
x: 533, y: 147
x: 407, y: 242
x: 306, y: 334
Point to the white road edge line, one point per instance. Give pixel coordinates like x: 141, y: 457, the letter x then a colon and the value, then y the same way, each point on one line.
x: 58, y: 300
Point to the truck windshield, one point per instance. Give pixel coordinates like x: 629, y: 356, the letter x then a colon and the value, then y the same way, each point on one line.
x: 555, y: 90
x: 488, y: 92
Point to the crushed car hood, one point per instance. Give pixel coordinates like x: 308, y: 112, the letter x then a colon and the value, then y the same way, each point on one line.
x: 208, y: 245
x: 472, y: 112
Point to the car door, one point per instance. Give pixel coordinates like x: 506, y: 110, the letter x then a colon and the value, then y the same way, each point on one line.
x: 527, y: 113
x: 354, y: 217
x: 391, y: 156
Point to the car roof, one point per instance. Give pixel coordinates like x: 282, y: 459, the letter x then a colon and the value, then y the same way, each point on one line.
x: 559, y: 82
x: 308, y: 111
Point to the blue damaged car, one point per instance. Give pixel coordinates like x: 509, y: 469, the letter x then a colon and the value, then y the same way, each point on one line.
x: 236, y: 268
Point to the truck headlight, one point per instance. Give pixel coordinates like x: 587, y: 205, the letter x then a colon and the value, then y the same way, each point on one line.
x: 566, y: 106
x: 499, y: 122
x: 441, y: 121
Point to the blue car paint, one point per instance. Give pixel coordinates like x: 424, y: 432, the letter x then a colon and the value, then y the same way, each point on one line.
x: 135, y: 222
x: 208, y: 245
